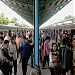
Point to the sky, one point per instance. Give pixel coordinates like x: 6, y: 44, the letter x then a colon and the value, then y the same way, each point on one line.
x: 10, y: 14
x: 67, y: 10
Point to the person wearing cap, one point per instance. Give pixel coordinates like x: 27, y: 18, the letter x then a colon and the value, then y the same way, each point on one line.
x: 24, y: 55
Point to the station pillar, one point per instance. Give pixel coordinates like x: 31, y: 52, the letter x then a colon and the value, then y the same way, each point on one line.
x: 36, y: 33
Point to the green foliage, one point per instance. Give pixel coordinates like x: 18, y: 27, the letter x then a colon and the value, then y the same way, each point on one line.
x: 23, y: 25
x: 13, y: 20
x: 2, y: 15
x: 3, y: 20
x: 69, y: 17
x: 6, y: 20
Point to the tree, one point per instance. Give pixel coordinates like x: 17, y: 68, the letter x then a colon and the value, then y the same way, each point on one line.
x: 3, y: 20
x: 13, y: 20
x: 24, y: 25
x: 6, y: 20
x: 2, y: 15
x: 69, y: 17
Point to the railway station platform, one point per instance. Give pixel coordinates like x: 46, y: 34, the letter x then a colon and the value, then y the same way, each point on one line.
x: 19, y: 69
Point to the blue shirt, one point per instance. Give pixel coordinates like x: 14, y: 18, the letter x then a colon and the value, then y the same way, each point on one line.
x: 25, y: 50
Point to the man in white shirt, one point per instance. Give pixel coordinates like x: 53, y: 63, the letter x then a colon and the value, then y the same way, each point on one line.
x: 27, y: 34
x: 13, y: 54
x: 7, y: 37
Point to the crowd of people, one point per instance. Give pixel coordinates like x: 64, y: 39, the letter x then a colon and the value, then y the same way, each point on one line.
x: 58, y: 51
x: 14, y: 47
x: 55, y: 48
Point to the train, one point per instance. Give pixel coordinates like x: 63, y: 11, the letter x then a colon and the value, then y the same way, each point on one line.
x: 4, y: 29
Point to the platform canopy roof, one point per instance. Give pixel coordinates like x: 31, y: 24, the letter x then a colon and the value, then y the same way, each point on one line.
x: 47, y: 8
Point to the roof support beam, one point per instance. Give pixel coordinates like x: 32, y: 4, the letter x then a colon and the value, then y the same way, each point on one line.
x: 36, y: 33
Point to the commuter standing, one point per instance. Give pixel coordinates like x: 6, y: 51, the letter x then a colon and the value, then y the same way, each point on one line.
x: 13, y: 53
x: 46, y: 51
x: 72, y: 58
x: 31, y: 49
x: 64, y: 57
x: 25, y: 48
x: 6, y: 59
x: 73, y: 49
x: 53, y: 60
x: 18, y: 42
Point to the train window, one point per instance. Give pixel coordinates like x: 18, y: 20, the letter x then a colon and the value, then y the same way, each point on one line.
x: 57, y: 31
x: 73, y: 33
x: 60, y: 31
x: 5, y: 33
x: 67, y: 31
x: 1, y: 33
x: 63, y: 31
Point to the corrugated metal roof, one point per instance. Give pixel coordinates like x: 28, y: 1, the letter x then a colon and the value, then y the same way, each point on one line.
x: 47, y: 8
